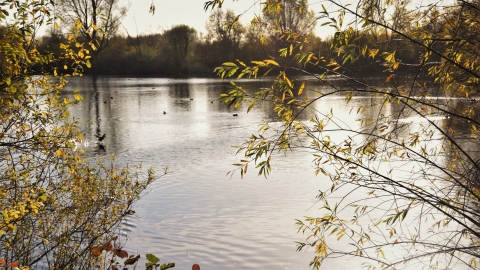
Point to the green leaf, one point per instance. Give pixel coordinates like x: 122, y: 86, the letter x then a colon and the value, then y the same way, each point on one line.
x: 250, y: 106
x: 167, y: 266
x: 152, y: 258
x: 229, y: 64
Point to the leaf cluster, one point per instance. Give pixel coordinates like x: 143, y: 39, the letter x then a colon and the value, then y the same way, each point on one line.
x: 402, y: 192
x: 54, y: 204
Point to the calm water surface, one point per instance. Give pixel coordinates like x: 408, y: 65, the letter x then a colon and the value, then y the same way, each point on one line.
x: 197, y: 214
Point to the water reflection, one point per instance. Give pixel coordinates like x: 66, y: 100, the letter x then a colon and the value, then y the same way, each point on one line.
x: 197, y: 214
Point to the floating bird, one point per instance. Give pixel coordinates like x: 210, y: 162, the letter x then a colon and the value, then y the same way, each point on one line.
x: 211, y: 101
x: 164, y: 112
x: 105, y: 102
x: 191, y: 99
x: 111, y: 97
x: 235, y: 114
x: 101, y: 137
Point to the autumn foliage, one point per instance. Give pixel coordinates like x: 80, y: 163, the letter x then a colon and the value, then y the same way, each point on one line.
x: 57, y: 208
x: 402, y: 154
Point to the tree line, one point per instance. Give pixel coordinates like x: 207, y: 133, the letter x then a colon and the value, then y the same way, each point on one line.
x: 183, y: 51
x: 419, y: 180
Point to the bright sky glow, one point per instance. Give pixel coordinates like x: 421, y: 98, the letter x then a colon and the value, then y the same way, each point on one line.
x: 190, y: 12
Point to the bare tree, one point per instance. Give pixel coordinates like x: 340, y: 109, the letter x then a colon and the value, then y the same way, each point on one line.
x: 97, y: 20
x: 290, y: 15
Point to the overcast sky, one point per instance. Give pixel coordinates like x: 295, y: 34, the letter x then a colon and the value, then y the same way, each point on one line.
x: 189, y: 12
x: 172, y: 12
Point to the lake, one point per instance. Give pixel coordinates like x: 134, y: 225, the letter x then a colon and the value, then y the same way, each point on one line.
x: 196, y: 213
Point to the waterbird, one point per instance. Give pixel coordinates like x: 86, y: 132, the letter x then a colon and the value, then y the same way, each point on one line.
x: 235, y: 114
x: 101, y: 137
x: 101, y: 147
x: 164, y: 112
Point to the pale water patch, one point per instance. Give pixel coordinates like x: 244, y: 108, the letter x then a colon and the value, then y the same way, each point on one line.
x: 198, y: 214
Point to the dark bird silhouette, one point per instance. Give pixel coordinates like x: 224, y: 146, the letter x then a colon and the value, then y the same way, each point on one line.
x: 105, y: 102
x: 191, y: 99
x: 111, y: 97
x: 211, y: 101
x: 101, y: 137
x: 235, y: 114
x: 101, y: 147
x: 164, y: 112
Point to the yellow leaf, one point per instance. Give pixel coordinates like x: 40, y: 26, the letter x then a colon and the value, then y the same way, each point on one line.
x: 288, y: 82
x: 372, y: 52
x: 258, y: 63
x: 271, y: 62
x: 300, y: 91
x: 11, y: 227
x: 56, y: 25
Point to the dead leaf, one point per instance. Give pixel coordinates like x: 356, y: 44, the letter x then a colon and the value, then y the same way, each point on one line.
x: 120, y: 253
x: 3, y: 262
x: 96, y: 251
x: 107, y: 246
x: 132, y: 260
x: 196, y: 267
x: 114, y: 238
x: 14, y: 264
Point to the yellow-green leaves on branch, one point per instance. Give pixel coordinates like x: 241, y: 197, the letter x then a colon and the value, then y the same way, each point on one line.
x: 56, y: 207
x: 229, y: 69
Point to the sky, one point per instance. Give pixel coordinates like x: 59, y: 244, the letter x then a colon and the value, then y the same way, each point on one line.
x: 173, y: 12
x: 190, y: 12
